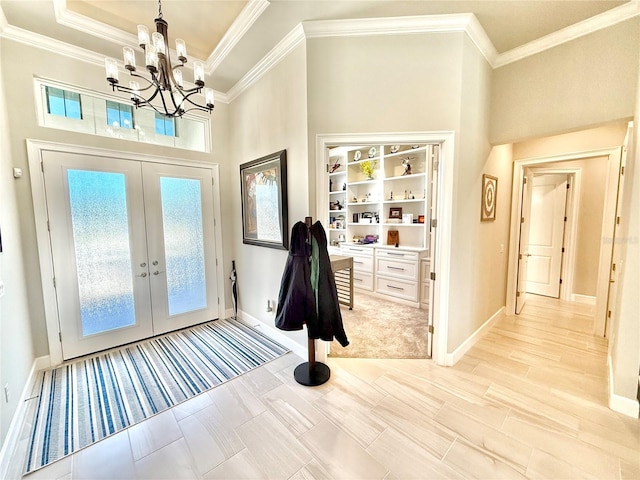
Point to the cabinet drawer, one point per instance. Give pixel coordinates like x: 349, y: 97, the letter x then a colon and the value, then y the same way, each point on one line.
x: 396, y: 254
x: 363, y: 281
x: 363, y: 264
x: 398, y: 269
x: 397, y: 288
x: 354, y: 250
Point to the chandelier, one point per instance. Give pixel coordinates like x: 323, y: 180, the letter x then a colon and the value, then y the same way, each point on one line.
x: 164, y: 91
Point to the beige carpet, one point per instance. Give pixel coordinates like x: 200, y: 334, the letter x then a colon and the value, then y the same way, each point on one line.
x: 379, y: 328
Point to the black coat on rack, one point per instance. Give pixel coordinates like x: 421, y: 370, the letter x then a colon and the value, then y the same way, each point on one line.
x: 298, y: 302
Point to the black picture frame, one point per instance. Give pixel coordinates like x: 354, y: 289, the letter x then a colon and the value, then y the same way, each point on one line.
x: 263, y: 187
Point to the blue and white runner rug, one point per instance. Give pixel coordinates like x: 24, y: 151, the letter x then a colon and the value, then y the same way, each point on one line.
x: 85, y: 401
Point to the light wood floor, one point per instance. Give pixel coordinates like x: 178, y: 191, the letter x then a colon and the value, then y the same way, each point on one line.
x: 528, y: 400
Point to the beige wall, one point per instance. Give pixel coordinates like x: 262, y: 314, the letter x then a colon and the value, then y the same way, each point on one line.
x: 270, y: 116
x: 428, y: 82
x: 16, y: 344
x: 583, y: 83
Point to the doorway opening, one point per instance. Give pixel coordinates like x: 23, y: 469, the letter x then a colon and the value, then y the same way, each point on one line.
x: 586, y: 261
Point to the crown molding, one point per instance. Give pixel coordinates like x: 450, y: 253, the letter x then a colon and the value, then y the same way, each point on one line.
x: 572, y: 32
x: 52, y: 45
x: 248, y: 16
x: 270, y: 60
x: 460, y: 22
x: 74, y: 20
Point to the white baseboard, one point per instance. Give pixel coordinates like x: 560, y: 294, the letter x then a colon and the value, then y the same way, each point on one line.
x: 228, y: 313
x: 627, y: 406
x: 586, y: 299
x: 13, y: 433
x: 458, y: 353
x: 295, y: 347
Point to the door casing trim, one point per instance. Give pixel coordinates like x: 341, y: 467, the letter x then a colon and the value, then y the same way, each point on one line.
x: 614, y: 155
x: 45, y: 254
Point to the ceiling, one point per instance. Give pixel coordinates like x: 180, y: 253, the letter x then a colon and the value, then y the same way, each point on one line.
x: 232, y: 36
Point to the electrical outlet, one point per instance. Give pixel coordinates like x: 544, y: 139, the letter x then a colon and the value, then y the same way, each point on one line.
x: 6, y: 393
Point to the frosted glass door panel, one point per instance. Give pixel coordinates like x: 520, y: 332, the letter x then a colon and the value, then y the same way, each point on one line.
x: 183, y: 244
x: 98, y: 241
x: 100, y: 224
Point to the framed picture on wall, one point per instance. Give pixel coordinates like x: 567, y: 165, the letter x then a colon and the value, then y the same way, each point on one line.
x: 264, y: 201
x: 489, y: 197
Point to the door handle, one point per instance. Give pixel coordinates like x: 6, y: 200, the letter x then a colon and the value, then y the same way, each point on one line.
x: 157, y: 272
x: 143, y: 275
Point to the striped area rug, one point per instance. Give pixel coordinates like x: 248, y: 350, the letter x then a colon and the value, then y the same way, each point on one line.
x: 85, y: 401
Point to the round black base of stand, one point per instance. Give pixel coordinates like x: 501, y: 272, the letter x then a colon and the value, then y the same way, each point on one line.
x: 318, y: 376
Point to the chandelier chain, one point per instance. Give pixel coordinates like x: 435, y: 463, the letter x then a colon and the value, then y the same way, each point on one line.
x: 159, y: 8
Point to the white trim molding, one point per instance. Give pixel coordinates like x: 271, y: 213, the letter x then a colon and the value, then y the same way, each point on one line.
x: 572, y: 32
x: 444, y: 213
x: 12, y: 438
x: 458, y: 353
x: 584, y: 299
x: 627, y: 406
x: 248, y: 16
x: 295, y: 347
x: 294, y: 38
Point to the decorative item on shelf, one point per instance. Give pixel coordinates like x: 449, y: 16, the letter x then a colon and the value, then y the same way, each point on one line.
x: 395, y: 213
x: 357, y: 155
x: 406, y: 163
x: 415, y: 146
x: 407, y: 218
x: 367, y: 167
x: 420, y: 218
x: 330, y: 185
x: 341, y: 237
x: 372, y: 152
x: 355, y: 217
x: 369, y: 239
x: 411, y: 196
x: 390, y: 195
x: 354, y: 200
x: 393, y: 237
x: 424, y: 194
x: 166, y: 84
x: 395, y: 148
x: 344, y: 187
x: 357, y: 238
x: 335, y: 205
x: 334, y: 167
x: 406, y: 195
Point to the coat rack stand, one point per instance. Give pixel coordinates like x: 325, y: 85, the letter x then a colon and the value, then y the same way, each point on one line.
x: 311, y: 373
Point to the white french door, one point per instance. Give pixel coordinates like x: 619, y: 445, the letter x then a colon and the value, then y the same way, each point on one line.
x: 133, y: 248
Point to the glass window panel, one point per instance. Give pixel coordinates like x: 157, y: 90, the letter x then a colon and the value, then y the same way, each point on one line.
x: 55, y: 101
x: 126, y: 116
x: 168, y: 127
x: 72, y: 105
x: 113, y: 113
x: 183, y: 244
x: 159, y: 124
x: 103, y: 256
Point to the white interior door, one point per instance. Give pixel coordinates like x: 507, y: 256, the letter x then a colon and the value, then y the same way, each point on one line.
x: 523, y: 248
x: 546, y: 234
x: 133, y: 249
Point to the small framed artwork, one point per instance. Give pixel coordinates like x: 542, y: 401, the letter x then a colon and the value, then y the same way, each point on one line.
x: 263, y: 186
x: 395, y: 212
x: 420, y: 218
x: 393, y: 237
x: 489, y: 198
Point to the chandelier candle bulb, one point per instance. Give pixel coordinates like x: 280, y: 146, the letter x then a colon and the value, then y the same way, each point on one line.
x: 135, y: 90
x: 181, y: 49
x: 177, y: 76
x: 143, y: 36
x: 151, y: 57
x: 158, y: 42
x: 198, y: 73
x: 208, y: 97
x: 129, y: 59
x: 111, y: 65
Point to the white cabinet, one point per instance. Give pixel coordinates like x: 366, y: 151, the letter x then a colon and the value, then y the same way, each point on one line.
x: 362, y: 265
x: 425, y: 273
x: 375, y: 189
x: 398, y: 273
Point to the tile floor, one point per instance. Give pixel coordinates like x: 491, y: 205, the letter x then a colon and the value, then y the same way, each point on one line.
x: 528, y: 400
